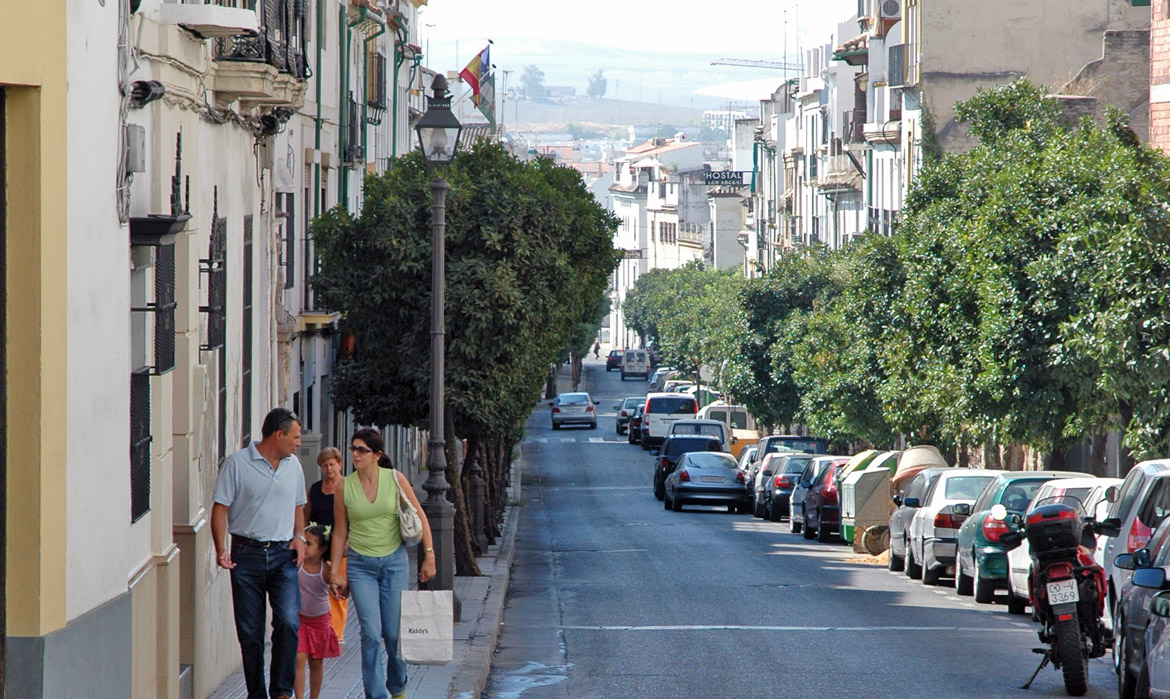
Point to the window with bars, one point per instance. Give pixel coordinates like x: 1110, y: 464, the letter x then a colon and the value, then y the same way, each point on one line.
x: 139, y: 445
x: 215, y: 267
x: 288, y: 264
x: 375, y: 78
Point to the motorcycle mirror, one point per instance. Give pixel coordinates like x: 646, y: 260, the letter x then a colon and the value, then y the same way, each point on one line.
x: 1011, y: 540
x: 1125, y: 561
x: 1111, y: 494
x: 998, y: 512
x: 1160, y: 604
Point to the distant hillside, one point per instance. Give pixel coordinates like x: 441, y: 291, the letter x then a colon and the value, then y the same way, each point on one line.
x: 594, y: 114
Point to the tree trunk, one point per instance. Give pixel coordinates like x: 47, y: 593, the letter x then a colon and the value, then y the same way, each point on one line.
x: 464, y: 554
x: 576, y: 366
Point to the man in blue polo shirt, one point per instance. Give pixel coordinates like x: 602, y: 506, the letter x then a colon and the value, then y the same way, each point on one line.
x: 258, y: 499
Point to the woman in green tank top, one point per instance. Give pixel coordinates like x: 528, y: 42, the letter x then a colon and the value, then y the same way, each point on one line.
x: 366, y: 524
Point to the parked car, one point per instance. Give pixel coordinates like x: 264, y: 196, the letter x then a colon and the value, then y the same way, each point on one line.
x: 710, y: 428
x: 813, y: 470
x: 822, y: 510
x: 934, y: 528
x: 706, y: 478
x: 574, y: 409
x: 739, y: 423
x: 1141, y: 506
x: 676, y: 385
x: 625, y: 411
x: 634, y: 429
x: 659, y: 377
x: 666, y: 458
x: 756, y: 468
x: 1137, y: 630
x: 661, y: 410
x: 980, y: 558
x: 635, y: 362
x: 613, y: 360
x: 744, y: 460
x: 792, y: 443
x: 1089, y: 494
x: 903, y: 515
x: 655, y: 355
x: 778, y: 477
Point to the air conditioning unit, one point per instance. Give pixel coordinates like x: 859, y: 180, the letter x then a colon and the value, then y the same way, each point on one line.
x: 891, y: 9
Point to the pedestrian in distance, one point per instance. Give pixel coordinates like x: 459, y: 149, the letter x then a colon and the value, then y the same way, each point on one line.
x: 596, y: 349
x: 319, y: 510
x: 258, y: 499
x: 316, y: 639
x: 366, y: 532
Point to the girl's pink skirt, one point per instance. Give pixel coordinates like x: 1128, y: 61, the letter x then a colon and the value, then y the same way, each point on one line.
x: 316, y: 637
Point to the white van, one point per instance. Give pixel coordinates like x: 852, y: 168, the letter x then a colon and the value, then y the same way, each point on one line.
x: 661, y: 410
x: 636, y: 362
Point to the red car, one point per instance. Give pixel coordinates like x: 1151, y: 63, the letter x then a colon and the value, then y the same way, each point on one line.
x: 614, y: 360
x: 822, y: 512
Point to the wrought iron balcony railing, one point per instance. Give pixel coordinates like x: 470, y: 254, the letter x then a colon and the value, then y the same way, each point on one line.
x: 281, y: 42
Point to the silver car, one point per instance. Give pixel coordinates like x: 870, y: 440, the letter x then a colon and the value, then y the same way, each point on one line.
x: 934, y: 528
x: 706, y: 478
x: 574, y: 409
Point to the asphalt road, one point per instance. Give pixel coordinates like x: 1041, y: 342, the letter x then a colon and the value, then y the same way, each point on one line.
x: 613, y: 596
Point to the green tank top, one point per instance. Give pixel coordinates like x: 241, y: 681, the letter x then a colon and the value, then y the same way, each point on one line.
x: 373, y: 526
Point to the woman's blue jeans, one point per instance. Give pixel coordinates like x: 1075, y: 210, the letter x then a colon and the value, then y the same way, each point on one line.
x: 377, y: 585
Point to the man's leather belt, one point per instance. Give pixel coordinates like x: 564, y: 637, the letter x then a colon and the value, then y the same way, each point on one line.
x: 236, y: 538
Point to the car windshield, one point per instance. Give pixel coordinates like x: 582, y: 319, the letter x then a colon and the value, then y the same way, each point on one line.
x: 672, y: 405
x: 684, y: 428
x: 965, y: 487
x: 705, y: 460
x: 1018, y: 495
x: 572, y: 398
x: 631, y: 402
x: 675, y: 445
x: 812, y: 446
x: 738, y: 421
x: 796, y: 464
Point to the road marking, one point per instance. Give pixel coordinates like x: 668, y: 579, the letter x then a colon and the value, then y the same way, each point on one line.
x: 565, y: 440
x: 601, y: 551
x: 844, y: 629
x: 1021, y: 624
x: 939, y: 592
x: 603, y: 440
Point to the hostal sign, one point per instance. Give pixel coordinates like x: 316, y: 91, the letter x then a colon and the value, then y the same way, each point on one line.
x: 724, y: 178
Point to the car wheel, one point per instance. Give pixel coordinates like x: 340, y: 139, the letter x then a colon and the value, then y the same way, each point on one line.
x: 773, y: 511
x: 733, y: 509
x: 896, y: 562
x: 962, y: 581
x: 593, y: 425
x: 931, y: 576
x: 676, y: 505
x: 556, y: 426
x: 645, y: 443
x: 1016, y: 604
x: 659, y: 487
x: 758, y: 509
x: 809, y: 532
x: 823, y: 533
x: 793, y: 525
x: 913, y: 569
x: 1125, y: 680
x: 666, y: 501
x: 984, y: 589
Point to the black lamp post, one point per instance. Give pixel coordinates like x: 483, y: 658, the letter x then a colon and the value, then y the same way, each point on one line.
x: 438, y: 137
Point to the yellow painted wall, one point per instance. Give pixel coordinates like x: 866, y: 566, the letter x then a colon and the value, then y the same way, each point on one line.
x: 32, y: 54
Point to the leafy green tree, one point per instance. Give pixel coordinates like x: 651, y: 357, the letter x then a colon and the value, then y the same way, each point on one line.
x: 529, y: 253
x: 533, y: 81
x: 597, y: 85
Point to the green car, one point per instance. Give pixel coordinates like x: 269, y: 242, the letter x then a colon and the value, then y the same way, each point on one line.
x: 981, y: 563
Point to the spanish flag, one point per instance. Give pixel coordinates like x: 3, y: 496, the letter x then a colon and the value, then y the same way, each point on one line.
x: 477, y: 73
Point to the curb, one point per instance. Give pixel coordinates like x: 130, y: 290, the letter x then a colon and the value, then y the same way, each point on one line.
x: 471, y: 677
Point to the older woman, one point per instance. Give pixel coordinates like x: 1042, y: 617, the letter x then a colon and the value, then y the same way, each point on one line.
x: 319, y: 509
x: 366, y: 531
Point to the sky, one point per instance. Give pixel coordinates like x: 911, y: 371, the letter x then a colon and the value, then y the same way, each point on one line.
x: 651, y: 49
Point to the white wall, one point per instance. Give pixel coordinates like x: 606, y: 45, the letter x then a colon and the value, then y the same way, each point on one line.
x: 96, y: 271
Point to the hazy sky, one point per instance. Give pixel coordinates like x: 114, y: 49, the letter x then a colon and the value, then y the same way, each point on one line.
x: 732, y: 26
x: 649, y: 49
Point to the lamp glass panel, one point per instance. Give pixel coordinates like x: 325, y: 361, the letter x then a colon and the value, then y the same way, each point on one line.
x: 438, y: 143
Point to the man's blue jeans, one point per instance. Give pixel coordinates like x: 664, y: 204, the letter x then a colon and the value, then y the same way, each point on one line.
x: 260, y: 573
x: 377, y: 585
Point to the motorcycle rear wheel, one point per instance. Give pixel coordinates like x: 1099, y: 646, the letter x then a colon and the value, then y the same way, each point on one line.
x: 1073, y: 662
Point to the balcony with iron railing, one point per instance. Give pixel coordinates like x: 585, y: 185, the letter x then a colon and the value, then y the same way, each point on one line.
x: 268, y: 68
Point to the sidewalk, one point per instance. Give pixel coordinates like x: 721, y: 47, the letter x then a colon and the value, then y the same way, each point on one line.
x: 475, y: 636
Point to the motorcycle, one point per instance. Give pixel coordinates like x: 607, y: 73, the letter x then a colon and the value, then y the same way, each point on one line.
x: 1066, y: 587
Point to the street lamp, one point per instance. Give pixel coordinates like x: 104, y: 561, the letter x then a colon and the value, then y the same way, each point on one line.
x: 438, y: 136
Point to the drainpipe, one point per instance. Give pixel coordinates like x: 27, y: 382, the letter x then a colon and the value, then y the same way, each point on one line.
x: 399, y: 59
x: 317, y: 141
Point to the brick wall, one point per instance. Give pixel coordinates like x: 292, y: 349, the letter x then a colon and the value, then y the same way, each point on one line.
x: 1160, y: 74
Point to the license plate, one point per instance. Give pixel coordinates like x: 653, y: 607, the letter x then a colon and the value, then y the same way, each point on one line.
x: 1063, y: 592
x: 574, y: 410
x: 711, y: 479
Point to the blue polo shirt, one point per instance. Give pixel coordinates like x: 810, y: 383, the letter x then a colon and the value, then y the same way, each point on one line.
x: 261, y: 501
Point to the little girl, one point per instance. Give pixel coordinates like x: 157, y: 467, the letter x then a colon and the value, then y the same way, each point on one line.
x: 317, y: 638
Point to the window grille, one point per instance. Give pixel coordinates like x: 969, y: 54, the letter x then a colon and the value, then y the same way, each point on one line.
x: 215, y: 267
x: 246, y: 349
x: 139, y: 445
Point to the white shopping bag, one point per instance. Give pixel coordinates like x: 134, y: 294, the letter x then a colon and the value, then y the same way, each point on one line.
x: 426, y: 633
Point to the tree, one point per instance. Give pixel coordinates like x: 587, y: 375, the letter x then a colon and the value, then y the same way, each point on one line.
x: 529, y: 254
x: 597, y: 85
x: 533, y: 80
